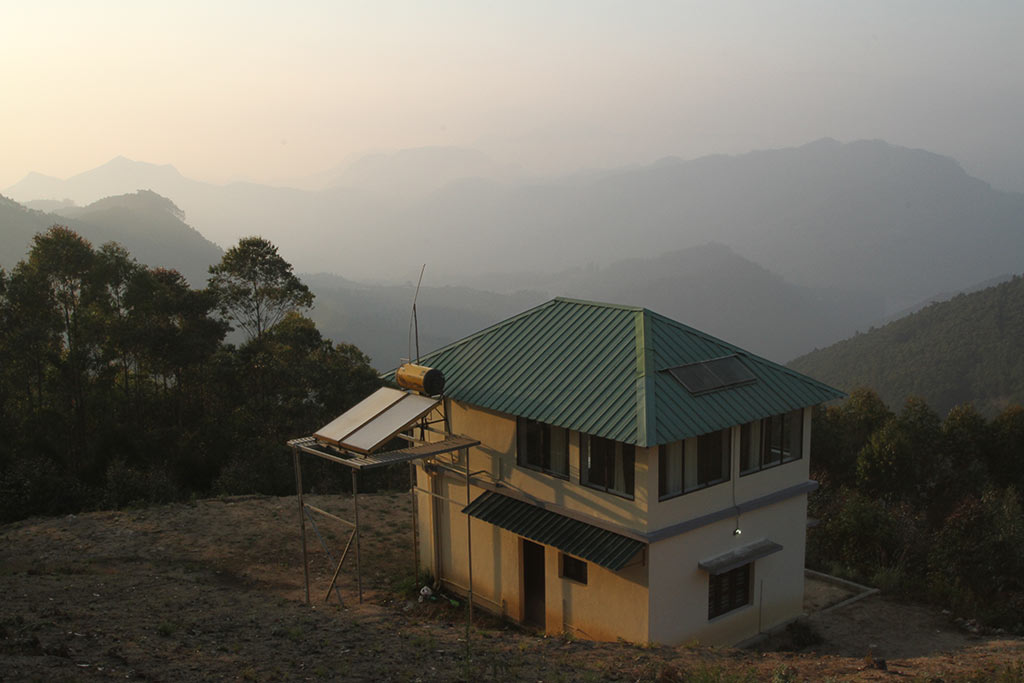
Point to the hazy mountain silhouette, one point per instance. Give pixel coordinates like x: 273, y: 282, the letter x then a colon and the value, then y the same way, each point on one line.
x: 149, y: 226
x: 893, y: 222
x: 714, y: 289
x: 709, y: 287
x: 967, y: 349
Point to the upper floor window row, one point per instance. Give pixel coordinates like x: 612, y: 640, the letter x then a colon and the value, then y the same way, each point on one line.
x: 604, y: 464
x: 681, y: 470
x: 771, y: 441
x: 542, y: 447
x: 607, y: 465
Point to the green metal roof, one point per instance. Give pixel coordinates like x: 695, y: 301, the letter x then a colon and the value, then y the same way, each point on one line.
x: 600, y: 546
x: 601, y: 369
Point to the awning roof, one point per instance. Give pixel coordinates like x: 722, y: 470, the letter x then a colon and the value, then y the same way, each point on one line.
x: 600, y: 546
x: 737, y: 557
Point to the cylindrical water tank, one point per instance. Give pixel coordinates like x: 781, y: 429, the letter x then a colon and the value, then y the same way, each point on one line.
x: 429, y: 381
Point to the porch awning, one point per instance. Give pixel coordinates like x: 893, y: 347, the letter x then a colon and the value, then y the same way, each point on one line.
x: 737, y: 557
x: 600, y: 546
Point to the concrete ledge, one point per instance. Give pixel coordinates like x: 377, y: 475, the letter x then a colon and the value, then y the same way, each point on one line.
x: 862, y: 591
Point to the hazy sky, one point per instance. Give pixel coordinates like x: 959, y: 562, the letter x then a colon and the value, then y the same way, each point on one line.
x: 271, y: 90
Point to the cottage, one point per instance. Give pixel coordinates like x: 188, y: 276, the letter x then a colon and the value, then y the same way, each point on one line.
x: 635, y: 478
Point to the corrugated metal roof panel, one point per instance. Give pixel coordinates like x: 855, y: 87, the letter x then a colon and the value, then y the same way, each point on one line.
x: 600, y: 546
x: 601, y: 369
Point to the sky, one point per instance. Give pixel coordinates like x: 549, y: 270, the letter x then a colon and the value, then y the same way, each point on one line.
x: 275, y: 92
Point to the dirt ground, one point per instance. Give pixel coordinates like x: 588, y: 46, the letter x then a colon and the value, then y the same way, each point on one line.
x: 214, y: 590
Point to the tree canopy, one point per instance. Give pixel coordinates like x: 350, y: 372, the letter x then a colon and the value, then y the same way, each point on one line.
x: 117, y: 385
x: 255, y: 287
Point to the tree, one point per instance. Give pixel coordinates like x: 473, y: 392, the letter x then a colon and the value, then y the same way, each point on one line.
x: 255, y: 287
x: 902, y: 460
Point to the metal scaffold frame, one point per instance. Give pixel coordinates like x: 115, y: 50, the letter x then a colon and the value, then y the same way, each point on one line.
x: 356, y: 462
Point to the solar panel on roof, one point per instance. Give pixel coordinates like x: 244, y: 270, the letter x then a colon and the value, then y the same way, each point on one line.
x: 696, y: 377
x: 712, y: 375
x: 730, y: 370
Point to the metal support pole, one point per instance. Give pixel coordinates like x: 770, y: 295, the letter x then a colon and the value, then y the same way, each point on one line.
x: 355, y: 506
x: 415, y: 525
x: 469, y: 542
x: 302, y: 518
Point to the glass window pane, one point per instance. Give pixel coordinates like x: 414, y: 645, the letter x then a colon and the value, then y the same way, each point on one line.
x: 670, y: 469
x: 559, y: 455
x: 794, y: 433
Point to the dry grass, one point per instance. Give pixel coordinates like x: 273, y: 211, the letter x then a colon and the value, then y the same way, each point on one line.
x: 214, y: 590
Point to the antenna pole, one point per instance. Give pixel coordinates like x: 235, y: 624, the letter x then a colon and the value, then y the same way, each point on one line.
x: 414, y: 323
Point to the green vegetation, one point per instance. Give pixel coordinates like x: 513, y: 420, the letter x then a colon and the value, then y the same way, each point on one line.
x: 117, y: 387
x: 967, y: 349
x: 921, y: 506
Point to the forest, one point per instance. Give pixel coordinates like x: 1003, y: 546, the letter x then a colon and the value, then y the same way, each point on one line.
x: 118, y: 385
x: 921, y: 506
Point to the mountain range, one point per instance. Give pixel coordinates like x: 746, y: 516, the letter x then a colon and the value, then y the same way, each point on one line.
x: 779, y: 251
x: 892, y: 222
x: 709, y: 286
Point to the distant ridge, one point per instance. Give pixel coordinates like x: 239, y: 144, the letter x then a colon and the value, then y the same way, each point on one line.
x: 967, y: 349
x: 148, y: 225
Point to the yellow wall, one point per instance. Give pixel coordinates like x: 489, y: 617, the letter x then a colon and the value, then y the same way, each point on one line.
x: 618, y: 604
x: 497, y: 454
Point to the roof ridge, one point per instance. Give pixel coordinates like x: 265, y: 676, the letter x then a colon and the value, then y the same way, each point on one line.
x: 646, y: 411
x: 597, y: 304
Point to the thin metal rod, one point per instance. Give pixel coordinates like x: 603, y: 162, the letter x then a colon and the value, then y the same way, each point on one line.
x: 415, y: 525
x: 302, y: 518
x: 323, y: 544
x: 355, y: 507
x: 469, y: 562
x: 337, y: 570
x: 336, y: 518
x: 469, y: 545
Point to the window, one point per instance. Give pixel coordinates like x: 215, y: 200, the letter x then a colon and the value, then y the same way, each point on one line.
x: 771, y: 441
x: 607, y: 465
x: 574, y: 569
x: 705, y: 462
x: 543, y: 447
x: 728, y: 591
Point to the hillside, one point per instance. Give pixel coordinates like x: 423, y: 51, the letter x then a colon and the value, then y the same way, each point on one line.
x: 899, y: 223
x: 967, y: 349
x: 149, y: 226
x: 213, y: 590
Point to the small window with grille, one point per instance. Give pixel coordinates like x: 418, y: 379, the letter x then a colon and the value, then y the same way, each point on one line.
x: 728, y: 591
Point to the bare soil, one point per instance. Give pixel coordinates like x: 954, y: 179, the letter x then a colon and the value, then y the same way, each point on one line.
x: 214, y: 590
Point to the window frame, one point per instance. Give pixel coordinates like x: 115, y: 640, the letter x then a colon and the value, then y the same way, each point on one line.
x: 700, y: 466
x: 765, y: 441
x: 724, y: 589
x: 578, y: 573
x: 547, y: 453
x: 619, y: 450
